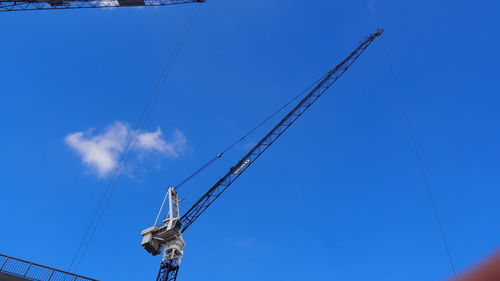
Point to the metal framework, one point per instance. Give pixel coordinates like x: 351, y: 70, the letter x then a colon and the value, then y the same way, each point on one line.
x: 170, y: 266
x: 333, y: 75
x: 168, y: 237
x: 33, y: 271
x: 168, y: 270
x: 9, y: 5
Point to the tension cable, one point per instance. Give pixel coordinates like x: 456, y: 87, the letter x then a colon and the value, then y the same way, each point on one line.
x: 231, y: 146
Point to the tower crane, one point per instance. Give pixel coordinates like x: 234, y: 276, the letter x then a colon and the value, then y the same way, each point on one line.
x: 26, y: 5
x: 167, y: 237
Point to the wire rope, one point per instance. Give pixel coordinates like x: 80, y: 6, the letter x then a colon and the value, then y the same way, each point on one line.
x: 125, y: 157
x: 161, y: 207
x: 411, y: 131
x: 420, y: 161
x: 239, y: 140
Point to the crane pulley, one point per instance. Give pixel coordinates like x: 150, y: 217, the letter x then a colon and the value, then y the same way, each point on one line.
x: 169, y: 235
x: 26, y: 5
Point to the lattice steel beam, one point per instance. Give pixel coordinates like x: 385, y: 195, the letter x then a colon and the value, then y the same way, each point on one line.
x: 6, y: 6
x: 333, y: 75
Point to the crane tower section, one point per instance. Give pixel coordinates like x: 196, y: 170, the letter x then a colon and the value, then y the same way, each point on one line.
x: 167, y: 236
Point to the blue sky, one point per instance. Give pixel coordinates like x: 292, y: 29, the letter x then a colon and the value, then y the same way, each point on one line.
x: 338, y: 197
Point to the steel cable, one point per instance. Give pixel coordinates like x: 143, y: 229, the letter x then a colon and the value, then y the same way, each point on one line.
x: 232, y: 145
x: 416, y: 148
x: 125, y: 157
x: 420, y: 161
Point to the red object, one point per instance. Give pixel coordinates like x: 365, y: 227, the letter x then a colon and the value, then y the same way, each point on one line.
x: 489, y: 270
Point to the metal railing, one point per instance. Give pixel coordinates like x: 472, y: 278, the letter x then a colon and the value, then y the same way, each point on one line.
x: 36, y: 272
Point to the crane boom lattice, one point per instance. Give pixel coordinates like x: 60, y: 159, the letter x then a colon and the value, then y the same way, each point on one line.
x: 26, y: 5
x: 333, y: 75
x: 169, y: 235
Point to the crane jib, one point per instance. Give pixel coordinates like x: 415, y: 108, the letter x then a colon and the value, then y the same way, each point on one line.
x: 329, y: 79
x: 170, y: 266
x: 28, y: 5
x: 241, y: 166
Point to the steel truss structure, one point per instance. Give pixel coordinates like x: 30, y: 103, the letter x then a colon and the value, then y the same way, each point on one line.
x: 170, y: 265
x: 27, y: 270
x: 333, y: 75
x: 6, y: 6
x: 168, y: 270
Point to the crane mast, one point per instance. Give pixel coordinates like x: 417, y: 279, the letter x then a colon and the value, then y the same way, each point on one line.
x: 169, y: 235
x: 26, y: 5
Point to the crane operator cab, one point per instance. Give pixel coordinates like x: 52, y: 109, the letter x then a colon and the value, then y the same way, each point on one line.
x: 167, y: 235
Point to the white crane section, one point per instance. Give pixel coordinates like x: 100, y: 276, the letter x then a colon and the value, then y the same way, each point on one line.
x: 167, y: 235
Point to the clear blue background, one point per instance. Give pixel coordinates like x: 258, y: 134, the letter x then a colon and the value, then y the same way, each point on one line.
x: 338, y: 197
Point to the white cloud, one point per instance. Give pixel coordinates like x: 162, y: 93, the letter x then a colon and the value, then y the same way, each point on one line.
x: 154, y: 141
x: 101, y: 152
